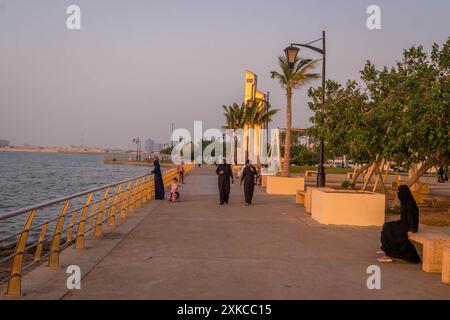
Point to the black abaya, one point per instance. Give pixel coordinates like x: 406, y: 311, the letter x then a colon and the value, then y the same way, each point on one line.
x: 248, y: 176
x: 225, y: 174
x: 159, y: 185
x: 394, y: 236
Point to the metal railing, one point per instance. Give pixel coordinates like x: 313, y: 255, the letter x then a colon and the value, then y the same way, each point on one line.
x: 70, y: 220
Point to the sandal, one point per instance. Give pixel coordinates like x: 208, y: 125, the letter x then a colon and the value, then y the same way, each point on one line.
x: 384, y: 259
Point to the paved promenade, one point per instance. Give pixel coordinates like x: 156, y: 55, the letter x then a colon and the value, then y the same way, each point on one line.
x: 197, y: 249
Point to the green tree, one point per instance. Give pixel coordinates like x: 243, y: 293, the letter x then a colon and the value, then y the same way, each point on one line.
x: 291, y: 79
x: 414, y: 97
x: 400, y: 114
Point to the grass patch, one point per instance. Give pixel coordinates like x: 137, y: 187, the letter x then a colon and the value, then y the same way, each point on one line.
x: 302, y: 169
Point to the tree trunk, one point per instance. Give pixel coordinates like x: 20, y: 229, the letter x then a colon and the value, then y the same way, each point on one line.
x: 426, y: 165
x: 359, y: 171
x: 379, y: 177
x: 235, y: 150
x: 287, y: 140
x: 370, y: 174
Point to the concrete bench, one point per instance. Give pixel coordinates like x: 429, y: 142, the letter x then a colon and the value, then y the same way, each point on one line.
x: 446, y: 265
x: 423, y: 187
x: 309, y: 173
x: 432, y: 254
x: 423, y: 199
x: 300, y: 197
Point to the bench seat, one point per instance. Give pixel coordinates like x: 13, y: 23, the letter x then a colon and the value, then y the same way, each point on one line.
x: 300, y: 197
x: 433, y: 244
x: 446, y: 265
x: 309, y: 173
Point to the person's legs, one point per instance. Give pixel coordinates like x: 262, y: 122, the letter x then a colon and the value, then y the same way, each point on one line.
x: 221, y: 193
x: 247, y: 193
x: 252, y: 189
x: 227, y: 191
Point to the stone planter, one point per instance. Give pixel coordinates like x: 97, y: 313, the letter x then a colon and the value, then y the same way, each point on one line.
x: 348, y: 207
x: 308, y: 197
x: 284, y: 185
x: 264, y: 178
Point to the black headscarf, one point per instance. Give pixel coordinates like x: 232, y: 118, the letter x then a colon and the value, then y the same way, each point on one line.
x: 404, y: 194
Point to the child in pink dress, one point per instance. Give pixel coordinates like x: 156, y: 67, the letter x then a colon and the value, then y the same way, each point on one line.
x: 174, y: 193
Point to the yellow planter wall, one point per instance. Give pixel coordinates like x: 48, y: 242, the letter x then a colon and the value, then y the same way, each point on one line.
x: 348, y: 208
x: 284, y: 185
x: 308, y: 197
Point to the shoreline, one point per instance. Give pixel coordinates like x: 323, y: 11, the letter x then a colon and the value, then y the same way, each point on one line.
x: 58, y: 151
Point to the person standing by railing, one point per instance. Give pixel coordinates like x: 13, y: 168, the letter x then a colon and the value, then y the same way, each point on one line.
x: 180, y: 170
x: 159, y: 184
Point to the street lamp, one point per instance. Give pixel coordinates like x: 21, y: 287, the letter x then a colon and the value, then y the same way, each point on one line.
x: 291, y: 55
x: 138, y: 144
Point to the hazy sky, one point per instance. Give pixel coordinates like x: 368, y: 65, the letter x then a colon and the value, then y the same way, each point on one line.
x: 136, y: 66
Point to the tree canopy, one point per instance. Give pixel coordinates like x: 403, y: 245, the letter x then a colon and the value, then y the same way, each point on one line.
x: 399, y: 114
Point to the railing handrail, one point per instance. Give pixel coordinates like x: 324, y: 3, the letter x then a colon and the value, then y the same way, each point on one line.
x: 18, y: 212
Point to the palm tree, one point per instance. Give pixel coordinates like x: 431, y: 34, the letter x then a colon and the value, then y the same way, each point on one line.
x: 256, y: 113
x: 234, y: 119
x: 252, y: 113
x: 291, y: 79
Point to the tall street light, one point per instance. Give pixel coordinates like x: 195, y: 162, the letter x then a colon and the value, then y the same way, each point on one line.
x: 291, y: 55
x: 138, y: 144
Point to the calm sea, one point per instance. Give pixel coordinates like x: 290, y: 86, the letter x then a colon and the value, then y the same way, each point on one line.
x: 31, y: 178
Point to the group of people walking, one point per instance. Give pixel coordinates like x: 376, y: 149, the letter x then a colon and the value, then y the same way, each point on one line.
x: 226, y: 178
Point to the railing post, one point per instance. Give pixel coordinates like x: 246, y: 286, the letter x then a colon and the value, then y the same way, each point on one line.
x: 133, y: 197
x: 53, y: 260
x: 147, y: 186
x: 70, y: 228
x: 15, y: 280
x: 79, y: 244
x: 150, y: 188
x: 123, y: 209
x: 112, y: 211
x: 98, y: 226
x: 92, y: 216
x: 40, y: 244
x: 140, y: 193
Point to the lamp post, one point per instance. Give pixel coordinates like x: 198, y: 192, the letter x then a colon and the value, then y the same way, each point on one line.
x: 138, y: 144
x: 291, y: 54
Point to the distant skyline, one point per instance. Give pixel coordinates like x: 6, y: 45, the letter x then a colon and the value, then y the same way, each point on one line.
x: 137, y: 66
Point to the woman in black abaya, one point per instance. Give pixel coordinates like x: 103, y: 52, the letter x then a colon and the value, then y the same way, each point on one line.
x: 395, y: 242
x: 159, y: 185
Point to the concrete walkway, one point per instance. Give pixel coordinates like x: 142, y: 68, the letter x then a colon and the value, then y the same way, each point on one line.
x: 197, y: 249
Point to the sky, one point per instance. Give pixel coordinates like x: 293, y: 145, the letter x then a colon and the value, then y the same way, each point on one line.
x: 136, y: 67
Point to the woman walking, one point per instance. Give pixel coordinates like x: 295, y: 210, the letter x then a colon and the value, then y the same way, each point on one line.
x: 159, y: 185
x: 225, y: 174
x: 248, y: 177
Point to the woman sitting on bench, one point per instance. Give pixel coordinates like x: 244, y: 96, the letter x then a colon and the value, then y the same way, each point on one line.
x: 394, y: 236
